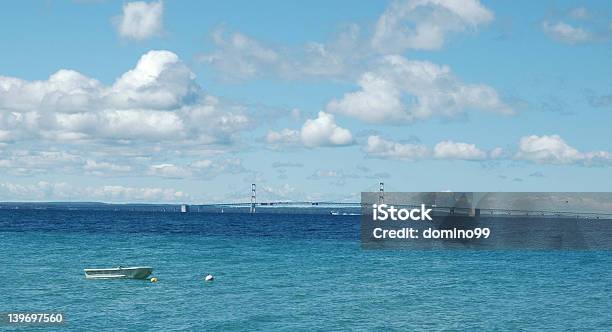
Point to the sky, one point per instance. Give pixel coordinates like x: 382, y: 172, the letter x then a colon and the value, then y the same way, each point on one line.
x: 192, y: 101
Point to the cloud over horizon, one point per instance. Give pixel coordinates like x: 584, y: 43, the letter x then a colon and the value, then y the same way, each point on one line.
x: 157, y: 100
x: 306, y: 101
x: 554, y: 150
x: 44, y: 190
x: 319, y: 132
x: 433, y: 90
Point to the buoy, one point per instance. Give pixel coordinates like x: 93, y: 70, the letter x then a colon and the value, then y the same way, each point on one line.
x: 153, y: 279
x: 209, y: 277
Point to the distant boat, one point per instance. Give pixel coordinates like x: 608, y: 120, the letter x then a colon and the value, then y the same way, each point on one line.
x: 336, y: 213
x: 140, y: 272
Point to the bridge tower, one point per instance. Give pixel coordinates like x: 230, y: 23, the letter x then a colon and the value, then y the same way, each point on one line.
x: 381, y: 193
x: 253, y: 198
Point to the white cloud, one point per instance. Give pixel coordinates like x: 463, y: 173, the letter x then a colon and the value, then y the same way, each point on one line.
x: 432, y: 89
x: 169, y: 171
x: 566, y: 33
x: 25, y: 162
x: 457, y: 150
x: 204, y: 169
x: 411, y: 24
x: 140, y: 20
x: 378, y: 101
x: 158, y: 100
x: 62, y: 191
x: 114, y: 161
x: 156, y: 108
x: 285, y: 137
x: 547, y: 149
x: 425, y: 24
x: 131, y: 194
x: 381, y: 148
x: 323, y: 131
x: 283, y: 192
x: 386, y: 149
x: 539, y: 149
x: 241, y: 57
x: 160, y: 80
x: 103, y: 167
x: 554, y: 150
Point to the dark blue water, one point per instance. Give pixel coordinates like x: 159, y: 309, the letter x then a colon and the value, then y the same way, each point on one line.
x: 284, y: 272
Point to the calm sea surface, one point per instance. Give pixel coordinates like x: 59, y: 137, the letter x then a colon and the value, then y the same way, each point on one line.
x: 284, y: 272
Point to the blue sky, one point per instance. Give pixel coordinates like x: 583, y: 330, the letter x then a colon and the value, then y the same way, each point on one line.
x: 191, y: 101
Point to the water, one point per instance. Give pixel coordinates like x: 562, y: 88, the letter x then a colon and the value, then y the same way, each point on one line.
x: 284, y: 272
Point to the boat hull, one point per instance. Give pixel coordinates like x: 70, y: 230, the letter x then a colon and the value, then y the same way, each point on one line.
x: 119, y: 273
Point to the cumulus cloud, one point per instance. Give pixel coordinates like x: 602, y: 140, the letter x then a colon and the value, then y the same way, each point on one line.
x: 112, y: 130
x: 379, y: 147
x: 140, y: 20
x: 554, y: 150
x: 539, y: 149
x: 112, y: 193
x: 433, y: 90
x: 565, y: 33
x: 425, y: 24
x: 457, y: 150
x: 158, y: 100
x: 323, y: 131
x: 382, y: 148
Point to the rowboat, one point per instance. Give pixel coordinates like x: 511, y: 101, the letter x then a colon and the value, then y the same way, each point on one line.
x: 139, y: 272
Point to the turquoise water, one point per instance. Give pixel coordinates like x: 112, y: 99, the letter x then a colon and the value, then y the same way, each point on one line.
x: 284, y: 272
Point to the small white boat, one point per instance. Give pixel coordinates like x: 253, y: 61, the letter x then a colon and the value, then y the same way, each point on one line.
x: 139, y: 272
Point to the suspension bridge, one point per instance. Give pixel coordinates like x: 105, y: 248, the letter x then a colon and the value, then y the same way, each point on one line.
x: 377, y: 194
x: 253, y: 206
